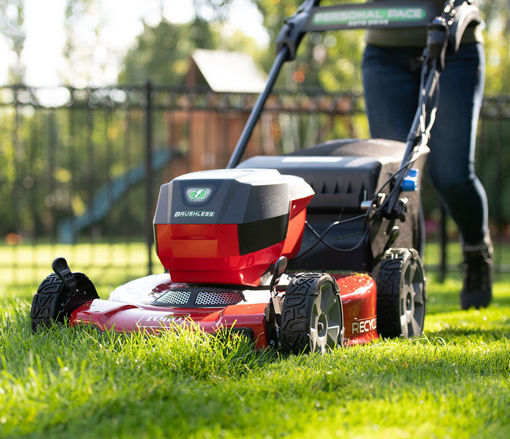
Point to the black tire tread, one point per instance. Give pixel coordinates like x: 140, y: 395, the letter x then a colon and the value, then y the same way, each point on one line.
x: 296, y: 312
x: 45, y: 303
x: 388, y: 289
x: 53, y: 302
x: 388, y: 292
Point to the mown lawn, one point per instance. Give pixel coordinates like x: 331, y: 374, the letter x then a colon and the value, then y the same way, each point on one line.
x: 453, y: 382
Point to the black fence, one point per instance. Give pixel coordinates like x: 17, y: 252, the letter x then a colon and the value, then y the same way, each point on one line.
x: 81, y: 168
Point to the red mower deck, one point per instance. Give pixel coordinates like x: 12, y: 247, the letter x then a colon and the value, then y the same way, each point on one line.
x: 131, y: 308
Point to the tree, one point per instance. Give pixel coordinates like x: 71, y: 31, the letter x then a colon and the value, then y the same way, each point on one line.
x: 12, y: 18
x: 83, y: 24
x: 212, y: 10
x: 325, y: 60
x: 497, y: 45
x: 162, y: 51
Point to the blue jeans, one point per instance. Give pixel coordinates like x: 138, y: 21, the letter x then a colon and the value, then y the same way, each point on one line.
x: 391, y: 79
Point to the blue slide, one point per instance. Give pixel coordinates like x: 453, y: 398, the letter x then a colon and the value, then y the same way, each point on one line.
x: 106, y: 196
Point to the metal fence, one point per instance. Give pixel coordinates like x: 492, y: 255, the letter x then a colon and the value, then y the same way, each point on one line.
x: 80, y: 169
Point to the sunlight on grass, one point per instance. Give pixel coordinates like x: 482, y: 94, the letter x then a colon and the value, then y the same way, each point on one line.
x: 104, y: 263
x: 452, y: 382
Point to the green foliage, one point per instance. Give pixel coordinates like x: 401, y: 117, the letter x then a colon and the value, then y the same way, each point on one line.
x: 162, y: 52
x: 497, y: 45
x: 53, y: 161
x: 12, y: 19
x: 330, y: 61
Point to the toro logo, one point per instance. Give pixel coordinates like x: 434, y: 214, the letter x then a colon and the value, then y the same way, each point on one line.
x: 158, y: 320
x: 362, y: 326
x: 197, y: 194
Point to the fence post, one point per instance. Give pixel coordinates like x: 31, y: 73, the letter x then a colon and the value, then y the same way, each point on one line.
x: 148, y: 174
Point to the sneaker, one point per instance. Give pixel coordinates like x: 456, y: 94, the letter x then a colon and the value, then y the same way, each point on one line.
x: 477, y: 289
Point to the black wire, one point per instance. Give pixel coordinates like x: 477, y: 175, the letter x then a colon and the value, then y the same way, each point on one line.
x: 320, y: 238
x: 423, y: 101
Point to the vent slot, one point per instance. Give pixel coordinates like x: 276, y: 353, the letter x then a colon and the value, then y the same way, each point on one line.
x: 196, y: 297
x: 174, y: 298
x: 209, y: 298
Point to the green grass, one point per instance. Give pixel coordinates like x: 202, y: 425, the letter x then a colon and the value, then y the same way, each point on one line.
x: 453, y: 382
x: 107, y: 263
x: 113, y: 263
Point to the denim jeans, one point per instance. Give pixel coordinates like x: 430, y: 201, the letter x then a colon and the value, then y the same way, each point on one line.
x: 391, y: 79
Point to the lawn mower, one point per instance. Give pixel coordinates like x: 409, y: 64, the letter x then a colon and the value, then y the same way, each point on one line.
x: 305, y: 251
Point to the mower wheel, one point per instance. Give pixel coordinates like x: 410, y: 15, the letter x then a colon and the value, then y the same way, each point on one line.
x: 53, y: 301
x: 401, y: 294
x: 312, y: 316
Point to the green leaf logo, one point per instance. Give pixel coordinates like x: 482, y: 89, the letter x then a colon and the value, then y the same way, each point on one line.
x: 197, y: 194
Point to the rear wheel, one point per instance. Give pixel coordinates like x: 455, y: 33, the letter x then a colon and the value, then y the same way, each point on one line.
x: 312, y: 317
x: 401, y: 294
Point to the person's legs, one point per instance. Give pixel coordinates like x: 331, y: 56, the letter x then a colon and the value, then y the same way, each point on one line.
x: 391, y: 80
x: 391, y: 84
x: 452, y: 143
x: 451, y: 167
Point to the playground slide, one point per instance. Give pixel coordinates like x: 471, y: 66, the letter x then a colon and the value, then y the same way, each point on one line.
x: 106, y: 197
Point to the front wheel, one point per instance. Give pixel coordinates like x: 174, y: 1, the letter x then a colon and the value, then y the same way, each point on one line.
x: 401, y: 296
x: 54, y: 302
x: 312, y: 316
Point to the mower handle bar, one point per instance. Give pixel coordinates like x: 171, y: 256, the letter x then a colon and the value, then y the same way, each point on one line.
x: 445, y: 32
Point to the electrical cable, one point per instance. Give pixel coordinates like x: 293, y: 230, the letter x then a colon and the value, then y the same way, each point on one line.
x: 424, y: 131
x: 320, y: 238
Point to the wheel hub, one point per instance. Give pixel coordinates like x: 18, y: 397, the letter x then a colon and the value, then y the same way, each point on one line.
x: 322, y: 326
x: 326, y: 320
